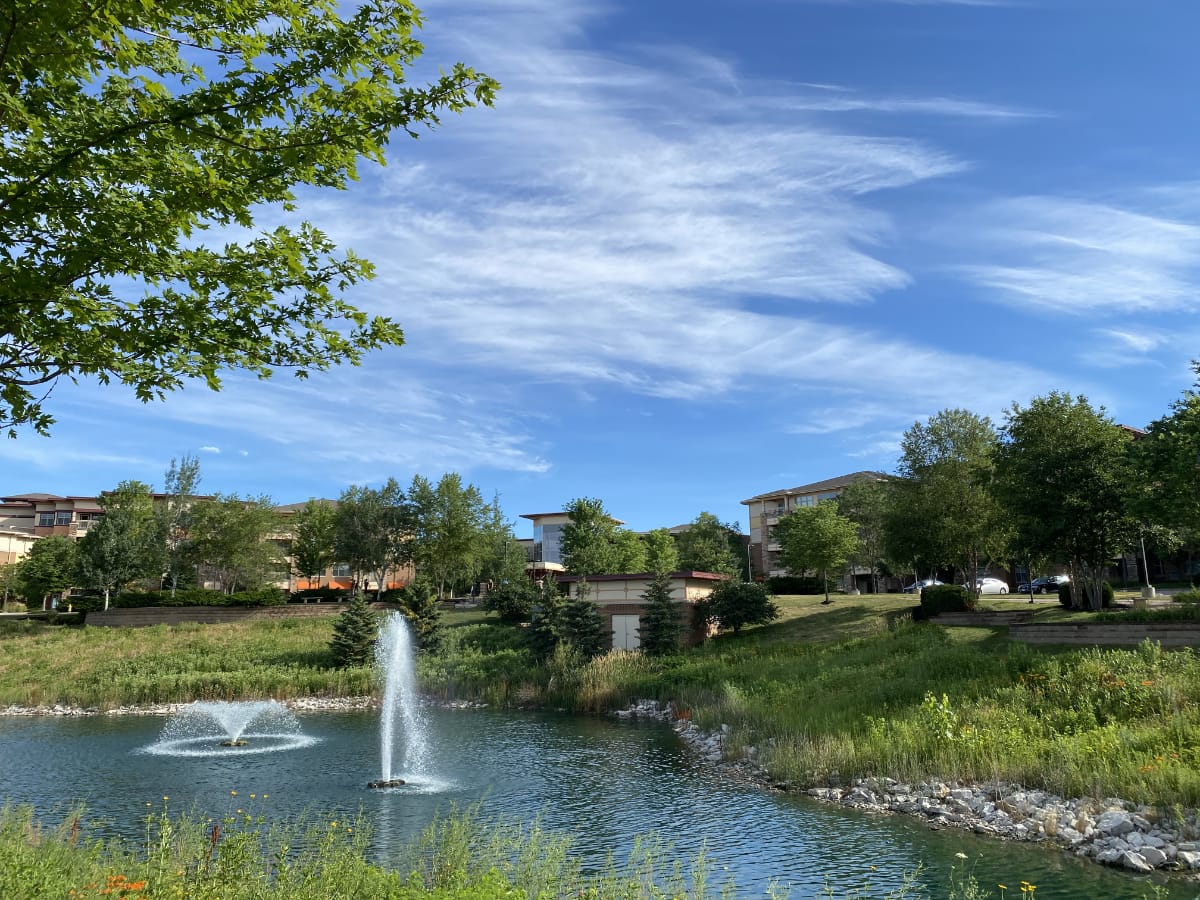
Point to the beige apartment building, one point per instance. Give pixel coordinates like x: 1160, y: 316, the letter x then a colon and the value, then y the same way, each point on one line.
x: 766, y: 510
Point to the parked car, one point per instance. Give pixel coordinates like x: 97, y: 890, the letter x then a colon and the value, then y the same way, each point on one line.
x: 990, y: 586
x: 1047, y: 584
x: 917, y: 586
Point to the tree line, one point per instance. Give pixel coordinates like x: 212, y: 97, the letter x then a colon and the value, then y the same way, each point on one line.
x: 1059, y: 483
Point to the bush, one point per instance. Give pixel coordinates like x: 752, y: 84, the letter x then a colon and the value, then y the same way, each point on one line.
x: 735, y: 604
x: 268, y: 596
x: 512, y: 602
x: 320, y: 595
x: 796, y: 584
x: 1189, y: 597
x: 940, y: 598
x: 1064, y: 594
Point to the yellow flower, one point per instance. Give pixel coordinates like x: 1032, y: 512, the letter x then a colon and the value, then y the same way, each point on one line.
x: 251, y: 796
x: 166, y: 798
x: 333, y: 824
x: 233, y: 793
x: 1003, y: 887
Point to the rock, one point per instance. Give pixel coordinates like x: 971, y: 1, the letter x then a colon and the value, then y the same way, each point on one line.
x: 1153, y: 856
x: 1135, y: 861
x: 1114, y: 822
x: 1189, y: 859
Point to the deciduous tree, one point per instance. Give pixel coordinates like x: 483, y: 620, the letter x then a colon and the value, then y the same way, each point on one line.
x: 735, y: 604
x: 708, y: 545
x: 123, y: 544
x: 174, y: 516
x: 1062, y: 475
x: 374, y: 531
x: 816, y: 538
x: 946, y: 469
x: 662, y: 554
x: 144, y: 143
x: 49, y: 566
x: 588, y: 543
x: 313, y: 535
x: 230, y: 541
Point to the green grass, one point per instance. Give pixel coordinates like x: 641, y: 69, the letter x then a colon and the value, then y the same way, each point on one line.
x: 242, y: 857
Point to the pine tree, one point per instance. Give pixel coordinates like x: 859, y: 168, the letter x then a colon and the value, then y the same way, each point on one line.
x: 582, y: 625
x: 419, y: 603
x: 354, y: 634
x: 661, y: 624
x: 546, y: 630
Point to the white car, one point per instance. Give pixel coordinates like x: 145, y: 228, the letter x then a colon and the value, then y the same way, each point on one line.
x: 991, y: 586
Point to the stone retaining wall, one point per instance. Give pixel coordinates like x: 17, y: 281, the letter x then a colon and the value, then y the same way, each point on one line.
x: 994, y: 619
x: 1169, y: 634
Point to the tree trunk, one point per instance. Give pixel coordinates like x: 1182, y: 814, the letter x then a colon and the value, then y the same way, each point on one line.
x: 825, y: 584
x: 106, y: 599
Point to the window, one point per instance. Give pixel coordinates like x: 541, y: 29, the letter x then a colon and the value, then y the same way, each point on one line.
x: 46, y: 520
x: 62, y: 517
x: 339, y: 570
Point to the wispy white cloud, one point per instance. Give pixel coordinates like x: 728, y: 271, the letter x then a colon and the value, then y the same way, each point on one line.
x: 210, y: 449
x: 1072, y: 256
x: 642, y: 227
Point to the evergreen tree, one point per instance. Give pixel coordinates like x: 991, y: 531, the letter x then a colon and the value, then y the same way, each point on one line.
x: 419, y: 603
x: 354, y: 634
x: 583, y: 627
x: 661, y: 624
x: 546, y: 630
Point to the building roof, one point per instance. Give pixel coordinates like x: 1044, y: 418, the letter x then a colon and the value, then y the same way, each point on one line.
x: 34, y: 496
x: 561, y: 512
x: 817, y: 487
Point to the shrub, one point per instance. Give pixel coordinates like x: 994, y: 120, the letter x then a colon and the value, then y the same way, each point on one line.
x: 268, y: 596
x: 512, y: 602
x: 418, y: 601
x: 320, y: 595
x: 1190, y: 597
x: 796, y: 584
x: 734, y: 604
x: 1064, y: 594
x: 940, y: 598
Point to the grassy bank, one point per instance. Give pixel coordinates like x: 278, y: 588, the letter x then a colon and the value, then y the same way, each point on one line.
x: 241, y: 857
x: 840, y: 691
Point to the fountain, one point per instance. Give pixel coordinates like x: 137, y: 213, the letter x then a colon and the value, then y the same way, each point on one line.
x: 209, y: 727
x: 394, y: 662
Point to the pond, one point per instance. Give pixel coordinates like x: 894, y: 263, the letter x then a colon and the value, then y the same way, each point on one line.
x: 602, y: 781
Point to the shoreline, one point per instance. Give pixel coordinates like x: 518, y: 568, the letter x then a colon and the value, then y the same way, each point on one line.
x: 1108, y: 831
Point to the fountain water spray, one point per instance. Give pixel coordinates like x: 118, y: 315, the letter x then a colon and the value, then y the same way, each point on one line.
x: 208, y: 726
x: 400, y: 716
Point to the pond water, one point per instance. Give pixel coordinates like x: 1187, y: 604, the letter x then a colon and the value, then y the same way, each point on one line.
x: 602, y: 781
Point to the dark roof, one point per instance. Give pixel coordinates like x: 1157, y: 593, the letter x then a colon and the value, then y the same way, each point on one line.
x: 34, y: 496
x: 817, y: 487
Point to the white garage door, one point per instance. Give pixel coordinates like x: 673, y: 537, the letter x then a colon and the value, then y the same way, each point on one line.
x: 625, y: 633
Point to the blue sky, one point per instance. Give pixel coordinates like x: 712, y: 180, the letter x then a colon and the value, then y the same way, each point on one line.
x: 703, y: 250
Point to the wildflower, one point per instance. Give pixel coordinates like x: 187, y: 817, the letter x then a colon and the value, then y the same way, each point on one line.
x: 233, y: 793
x: 961, y: 855
x: 333, y: 824
x: 1003, y: 887
x: 165, y: 797
x: 251, y: 796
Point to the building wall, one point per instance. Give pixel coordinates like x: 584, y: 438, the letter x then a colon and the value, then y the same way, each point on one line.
x: 621, y: 595
x: 14, y: 545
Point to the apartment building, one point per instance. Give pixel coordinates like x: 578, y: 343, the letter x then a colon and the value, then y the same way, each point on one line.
x: 766, y: 509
